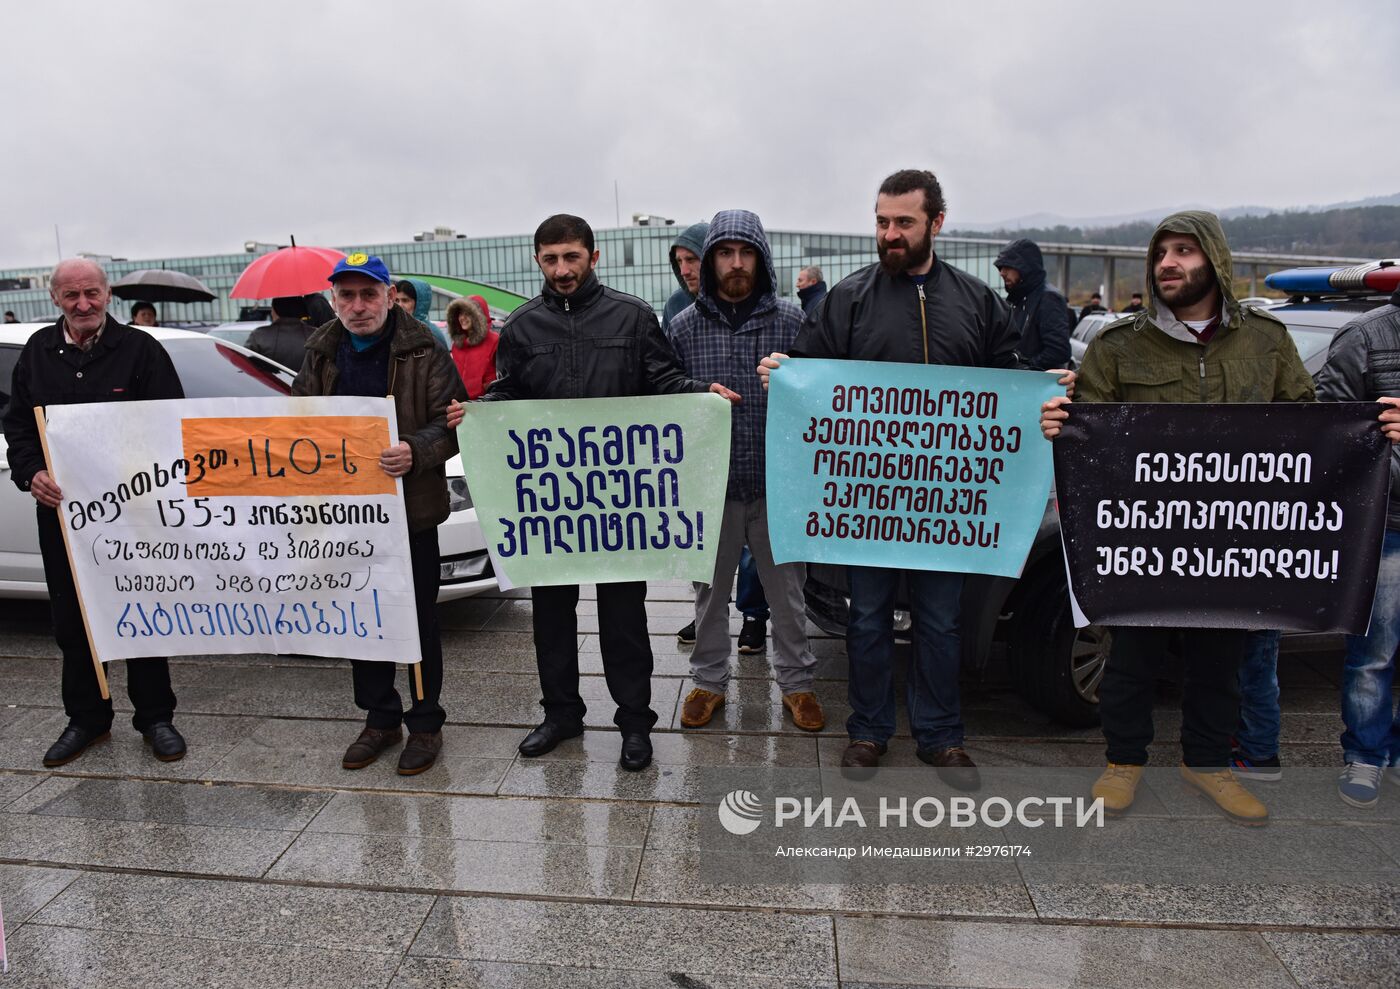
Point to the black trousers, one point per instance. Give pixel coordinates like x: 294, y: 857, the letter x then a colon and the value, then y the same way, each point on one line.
x: 1210, y: 703
x: 627, y: 660
x: 147, y: 680
x: 374, y: 681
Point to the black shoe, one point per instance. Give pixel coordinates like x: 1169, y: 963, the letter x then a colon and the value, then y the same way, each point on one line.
x: 753, y: 637
x: 955, y: 767
x: 166, y: 743
x: 544, y: 738
x: 686, y: 636
x: 636, y: 752
x: 73, y: 743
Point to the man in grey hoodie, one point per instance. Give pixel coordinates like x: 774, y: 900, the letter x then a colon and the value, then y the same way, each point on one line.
x: 685, y: 262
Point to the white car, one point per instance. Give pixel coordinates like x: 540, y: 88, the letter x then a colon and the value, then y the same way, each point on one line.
x: 213, y: 368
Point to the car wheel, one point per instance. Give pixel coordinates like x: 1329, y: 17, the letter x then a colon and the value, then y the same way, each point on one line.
x: 1057, y: 667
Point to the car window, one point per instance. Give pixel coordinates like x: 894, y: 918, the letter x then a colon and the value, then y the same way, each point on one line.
x: 1310, y: 343
x: 211, y: 369
x: 9, y: 357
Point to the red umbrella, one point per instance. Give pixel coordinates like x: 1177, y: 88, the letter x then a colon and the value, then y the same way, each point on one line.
x: 286, y: 271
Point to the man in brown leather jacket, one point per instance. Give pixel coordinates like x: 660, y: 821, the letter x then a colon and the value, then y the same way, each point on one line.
x: 374, y: 349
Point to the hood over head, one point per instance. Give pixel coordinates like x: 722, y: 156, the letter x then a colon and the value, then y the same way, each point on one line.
x: 742, y: 225
x: 692, y: 238
x: 478, y: 324
x: 1206, y: 228
x: 423, y: 303
x: 1024, y: 256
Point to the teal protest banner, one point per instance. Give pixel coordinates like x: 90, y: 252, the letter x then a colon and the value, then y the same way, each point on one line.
x: 910, y: 466
x: 594, y: 490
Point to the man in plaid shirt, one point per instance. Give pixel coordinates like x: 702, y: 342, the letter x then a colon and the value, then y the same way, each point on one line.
x: 737, y: 320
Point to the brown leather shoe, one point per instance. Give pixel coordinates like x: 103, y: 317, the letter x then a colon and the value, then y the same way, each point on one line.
x: 369, y: 745
x: 699, y: 707
x: 862, y: 754
x: 806, y: 710
x: 420, y: 753
x: 955, y: 767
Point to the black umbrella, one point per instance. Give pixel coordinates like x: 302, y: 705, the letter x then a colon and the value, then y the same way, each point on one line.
x: 160, y: 285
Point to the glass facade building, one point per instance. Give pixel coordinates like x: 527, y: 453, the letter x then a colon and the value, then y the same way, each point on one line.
x: 633, y: 260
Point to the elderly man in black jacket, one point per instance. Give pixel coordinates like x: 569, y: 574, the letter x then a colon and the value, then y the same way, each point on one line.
x: 87, y: 356
x: 1039, y: 314
x: 580, y: 339
x: 909, y: 308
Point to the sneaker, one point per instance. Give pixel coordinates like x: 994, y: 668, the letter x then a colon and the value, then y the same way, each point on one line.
x: 1220, y: 788
x: 1359, y: 785
x: 686, y: 636
x: 1117, y: 787
x: 1249, y: 768
x: 753, y: 637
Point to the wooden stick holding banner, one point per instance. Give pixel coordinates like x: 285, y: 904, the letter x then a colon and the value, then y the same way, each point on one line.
x: 68, y: 550
x: 418, y: 666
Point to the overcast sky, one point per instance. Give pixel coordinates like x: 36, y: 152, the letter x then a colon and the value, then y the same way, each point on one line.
x: 147, y: 129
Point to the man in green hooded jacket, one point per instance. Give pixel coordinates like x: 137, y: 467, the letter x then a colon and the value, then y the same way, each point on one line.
x: 1194, y: 342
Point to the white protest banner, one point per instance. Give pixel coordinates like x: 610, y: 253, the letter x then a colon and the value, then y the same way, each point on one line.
x: 236, y: 525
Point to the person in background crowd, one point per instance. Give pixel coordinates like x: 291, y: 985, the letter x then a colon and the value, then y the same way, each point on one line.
x: 1095, y: 304
x: 473, y: 343
x: 685, y: 263
x: 10, y: 316
x: 549, y: 348
x: 318, y: 310
x: 911, y: 308
x: 1038, y: 313
x: 143, y: 314
x: 811, y: 288
x: 87, y: 356
x: 369, y: 344
x: 736, y: 320
x: 1219, y: 351
x: 1255, y: 749
x: 284, y: 339
x: 415, y: 297
x: 1136, y: 305
x: 1361, y: 367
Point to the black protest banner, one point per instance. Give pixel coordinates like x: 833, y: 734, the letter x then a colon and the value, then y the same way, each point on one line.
x: 1223, y: 516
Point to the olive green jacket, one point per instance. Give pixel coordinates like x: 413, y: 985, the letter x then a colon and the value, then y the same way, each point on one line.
x: 1152, y: 357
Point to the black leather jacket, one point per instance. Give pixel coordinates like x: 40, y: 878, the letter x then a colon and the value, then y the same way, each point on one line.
x: 593, y: 343
x: 1363, y: 364
x: 872, y: 315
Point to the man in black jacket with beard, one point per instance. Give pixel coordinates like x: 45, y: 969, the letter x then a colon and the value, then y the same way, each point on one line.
x: 580, y: 339
x: 1038, y: 313
x: 910, y: 308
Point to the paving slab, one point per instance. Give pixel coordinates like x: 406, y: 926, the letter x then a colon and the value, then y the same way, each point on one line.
x: 219, y: 851
x: 452, y: 864
x: 27, y: 734
x: 14, y: 785
x: 261, y: 913
x: 514, y: 699
x: 64, y: 957
x: 172, y: 803
x: 688, y: 945
x: 24, y: 889
x: 1338, y: 961
x: 444, y: 973
x: 896, y: 951
x: 484, y: 819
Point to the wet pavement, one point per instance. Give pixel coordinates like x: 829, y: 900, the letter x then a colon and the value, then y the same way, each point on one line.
x: 257, y: 861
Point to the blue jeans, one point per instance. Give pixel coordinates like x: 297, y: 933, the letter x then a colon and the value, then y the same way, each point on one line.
x: 1257, y: 733
x: 749, y: 598
x: 1372, y: 723
x: 935, y: 716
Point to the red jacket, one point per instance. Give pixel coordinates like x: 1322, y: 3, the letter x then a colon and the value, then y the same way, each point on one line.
x: 476, y: 363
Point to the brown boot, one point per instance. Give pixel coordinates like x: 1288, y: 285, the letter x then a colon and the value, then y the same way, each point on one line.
x: 1220, y: 787
x: 806, y: 710
x: 699, y: 707
x: 862, y: 754
x: 954, y: 766
x: 369, y: 745
x: 420, y: 753
x: 1117, y: 787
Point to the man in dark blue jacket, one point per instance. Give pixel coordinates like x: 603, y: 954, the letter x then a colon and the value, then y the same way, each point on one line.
x: 811, y: 288
x: 1038, y: 312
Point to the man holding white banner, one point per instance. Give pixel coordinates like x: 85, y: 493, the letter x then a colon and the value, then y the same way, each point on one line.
x: 87, y: 356
x: 375, y: 349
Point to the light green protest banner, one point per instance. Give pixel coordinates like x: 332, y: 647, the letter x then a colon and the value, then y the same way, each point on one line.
x: 595, y: 490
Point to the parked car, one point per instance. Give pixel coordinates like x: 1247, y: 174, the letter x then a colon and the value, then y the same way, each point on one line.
x: 213, y: 368
x: 1057, y: 667
x: 1086, y: 329
x: 234, y: 332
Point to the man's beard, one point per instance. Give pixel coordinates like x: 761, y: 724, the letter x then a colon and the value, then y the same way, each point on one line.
x: 913, y: 256
x: 737, y: 285
x: 1194, y: 287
